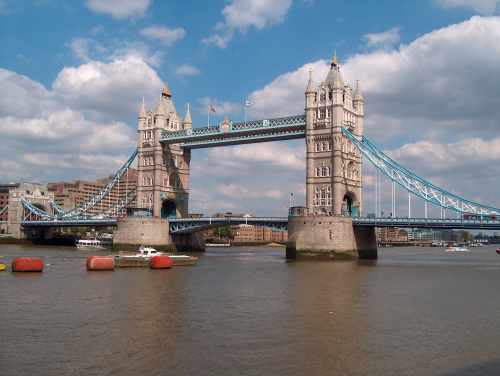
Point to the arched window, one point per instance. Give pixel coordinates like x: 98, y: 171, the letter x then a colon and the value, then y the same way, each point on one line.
x: 318, y: 171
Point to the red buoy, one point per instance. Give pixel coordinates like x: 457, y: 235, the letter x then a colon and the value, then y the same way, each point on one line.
x: 100, y: 263
x: 161, y: 262
x: 27, y: 264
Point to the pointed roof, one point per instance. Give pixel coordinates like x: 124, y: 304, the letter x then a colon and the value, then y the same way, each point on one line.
x: 334, y: 78
x: 187, y: 118
x: 142, y: 109
x: 310, y: 85
x: 358, y: 93
x: 160, y: 109
x: 334, y: 59
x: 166, y: 91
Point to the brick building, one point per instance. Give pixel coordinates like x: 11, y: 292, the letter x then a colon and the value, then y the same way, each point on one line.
x: 249, y: 233
x: 391, y: 235
x: 69, y: 195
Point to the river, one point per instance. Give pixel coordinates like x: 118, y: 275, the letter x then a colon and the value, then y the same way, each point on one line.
x: 246, y: 311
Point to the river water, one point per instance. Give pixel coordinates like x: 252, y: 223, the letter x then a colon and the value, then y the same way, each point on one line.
x: 246, y: 311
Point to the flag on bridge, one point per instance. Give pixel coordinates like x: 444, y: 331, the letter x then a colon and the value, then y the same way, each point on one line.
x: 211, y: 108
x: 248, y: 103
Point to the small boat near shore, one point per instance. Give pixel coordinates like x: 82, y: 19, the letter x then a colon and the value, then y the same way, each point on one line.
x: 498, y: 251
x: 2, y: 267
x: 217, y: 244
x: 95, y: 243
x: 143, y: 256
x: 456, y: 249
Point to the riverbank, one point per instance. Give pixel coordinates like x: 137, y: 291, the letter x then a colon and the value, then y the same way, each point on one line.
x: 11, y: 240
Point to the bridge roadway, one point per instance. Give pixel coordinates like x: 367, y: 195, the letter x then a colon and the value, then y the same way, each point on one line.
x: 277, y: 129
x: 189, y: 225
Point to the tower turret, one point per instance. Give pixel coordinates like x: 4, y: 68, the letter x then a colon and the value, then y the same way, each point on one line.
x: 187, y: 122
x: 142, y: 115
x: 359, y: 99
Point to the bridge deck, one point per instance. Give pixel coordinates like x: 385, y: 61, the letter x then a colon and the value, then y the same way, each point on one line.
x: 188, y: 225
x: 286, y: 128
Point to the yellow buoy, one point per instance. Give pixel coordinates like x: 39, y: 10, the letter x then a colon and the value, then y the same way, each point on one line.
x: 2, y: 267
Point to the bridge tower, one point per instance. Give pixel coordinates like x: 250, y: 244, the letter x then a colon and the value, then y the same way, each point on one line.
x: 333, y: 174
x: 334, y: 165
x: 163, y: 171
x: 162, y: 181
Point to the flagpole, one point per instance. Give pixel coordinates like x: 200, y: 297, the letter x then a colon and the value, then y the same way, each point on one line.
x: 245, y: 111
x: 208, y: 116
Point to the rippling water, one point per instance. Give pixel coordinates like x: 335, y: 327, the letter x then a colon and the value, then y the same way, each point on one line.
x: 246, y: 311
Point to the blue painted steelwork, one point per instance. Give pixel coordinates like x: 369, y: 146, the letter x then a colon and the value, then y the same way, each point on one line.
x: 430, y: 223
x: 81, y: 212
x: 71, y: 223
x: 189, y: 225
x: 35, y: 210
x: 414, y: 183
x: 103, y: 193
x: 276, y: 129
x: 57, y: 209
x: 4, y: 209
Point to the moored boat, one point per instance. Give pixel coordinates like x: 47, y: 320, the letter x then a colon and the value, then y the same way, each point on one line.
x: 456, y: 249
x: 2, y: 267
x: 94, y: 243
x: 143, y: 256
x: 498, y: 251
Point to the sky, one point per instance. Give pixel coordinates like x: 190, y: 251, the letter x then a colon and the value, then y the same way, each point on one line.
x: 72, y: 76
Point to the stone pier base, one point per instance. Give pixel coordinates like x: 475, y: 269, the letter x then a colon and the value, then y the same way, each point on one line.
x: 132, y: 232
x: 329, y: 238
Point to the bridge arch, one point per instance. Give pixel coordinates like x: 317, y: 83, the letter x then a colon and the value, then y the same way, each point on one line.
x: 350, y: 204
x: 168, y: 209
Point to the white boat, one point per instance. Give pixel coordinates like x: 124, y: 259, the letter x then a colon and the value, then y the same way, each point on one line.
x: 456, y: 249
x: 94, y: 243
x: 217, y: 244
x: 146, y: 253
x: 142, y: 252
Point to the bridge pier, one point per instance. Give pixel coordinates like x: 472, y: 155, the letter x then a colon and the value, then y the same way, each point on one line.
x: 132, y: 232
x: 329, y: 238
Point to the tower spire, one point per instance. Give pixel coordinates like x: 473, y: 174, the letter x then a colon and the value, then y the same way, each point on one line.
x: 187, y: 122
x: 166, y: 91
x: 334, y: 59
x: 310, y: 83
x: 142, y: 109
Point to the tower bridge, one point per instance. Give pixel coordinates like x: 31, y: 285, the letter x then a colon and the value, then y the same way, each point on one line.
x: 332, y: 221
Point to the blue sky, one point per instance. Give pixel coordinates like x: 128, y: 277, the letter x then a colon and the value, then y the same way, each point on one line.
x: 72, y: 75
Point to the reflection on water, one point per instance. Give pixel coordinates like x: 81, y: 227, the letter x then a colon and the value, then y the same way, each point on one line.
x: 246, y: 311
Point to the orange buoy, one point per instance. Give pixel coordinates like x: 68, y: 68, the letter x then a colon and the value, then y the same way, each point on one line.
x: 161, y: 262
x: 27, y: 264
x: 100, y: 263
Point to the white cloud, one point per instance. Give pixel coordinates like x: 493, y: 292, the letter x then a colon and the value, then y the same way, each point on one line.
x: 88, y: 49
x: 71, y: 131
x: 187, y: 70
x: 485, y: 7
x: 240, y: 15
x: 444, y: 83
x: 166, y: 36
x: 264, y: 155
x: 84, y: 48
x: 385, y: 39
x: 120, y: 8
x: 109, y: 88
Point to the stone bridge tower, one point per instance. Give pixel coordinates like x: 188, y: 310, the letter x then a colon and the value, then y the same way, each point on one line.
x: 334, y: 165
x: 163, y: 172
x: 325, y: 229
